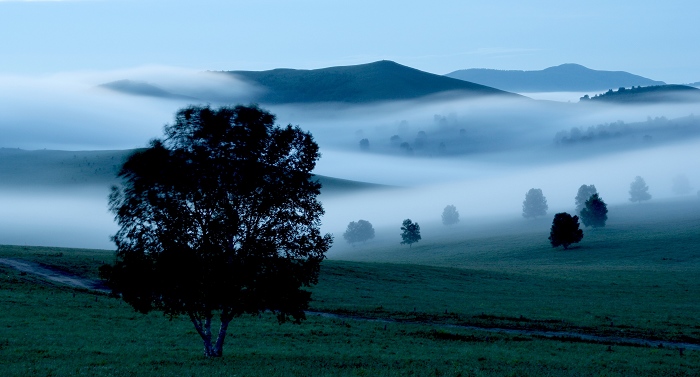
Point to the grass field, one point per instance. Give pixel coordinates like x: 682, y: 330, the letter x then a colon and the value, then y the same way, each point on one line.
x: 636, y: 277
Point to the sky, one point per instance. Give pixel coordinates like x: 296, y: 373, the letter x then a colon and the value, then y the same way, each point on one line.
x: 647, y: 37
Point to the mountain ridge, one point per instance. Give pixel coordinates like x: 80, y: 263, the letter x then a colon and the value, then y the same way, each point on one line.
x: 371, y: 82
x: 567, y: 77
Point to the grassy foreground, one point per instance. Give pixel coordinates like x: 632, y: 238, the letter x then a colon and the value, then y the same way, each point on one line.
x: 636, y: 277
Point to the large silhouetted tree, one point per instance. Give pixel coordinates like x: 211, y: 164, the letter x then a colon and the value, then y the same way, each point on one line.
x: 220, y: 217
x: 639, y: 191
x: 535, y: 204
x: 584, y: 193
x: 410, y: 232
x: 450, y: 215
x: 359, y: 231
x: 595, y: 212
x: 565, y: 230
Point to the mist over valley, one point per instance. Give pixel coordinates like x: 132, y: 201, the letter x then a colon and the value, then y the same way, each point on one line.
x: 385, y: 157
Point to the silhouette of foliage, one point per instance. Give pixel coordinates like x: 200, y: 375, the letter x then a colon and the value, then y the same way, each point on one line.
x: 639, y: 191
x: 364, y: 144
x: 584, y: 193
x: 410, y: 232
x: 535, y: 204
x: 450, y: 215
x: 219, y: 217
x: 359, y: 231
x: 565, y: 230
x: 595, y: 212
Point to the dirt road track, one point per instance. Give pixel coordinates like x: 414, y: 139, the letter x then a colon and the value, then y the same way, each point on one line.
x: 62, y: 277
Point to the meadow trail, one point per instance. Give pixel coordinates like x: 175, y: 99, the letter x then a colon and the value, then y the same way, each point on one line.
x: 55, y: 275
x: 65, y: 278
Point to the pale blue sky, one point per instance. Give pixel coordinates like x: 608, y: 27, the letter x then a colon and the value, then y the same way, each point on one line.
x: 651, y: 38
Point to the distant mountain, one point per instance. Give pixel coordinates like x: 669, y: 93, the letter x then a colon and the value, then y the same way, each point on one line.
x: 562, y: 78
x: 379, y: 81
x: 141, y: 88
x: 648, y: 94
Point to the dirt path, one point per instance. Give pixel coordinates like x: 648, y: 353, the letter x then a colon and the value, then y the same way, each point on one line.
x: 62, y: 277
x: 56, y: 276
x: 562, y: 335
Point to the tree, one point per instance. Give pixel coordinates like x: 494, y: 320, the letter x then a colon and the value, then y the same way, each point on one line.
x: 535, y: 204
x: 410, y: 232
x: 565, y: 230
x: 220, y: 217
x: 360, y: 231
x: 450, y: 215
x: 639, y: 191
x: 584, y: 193
x: 364, y: 144
x: 595, y: 212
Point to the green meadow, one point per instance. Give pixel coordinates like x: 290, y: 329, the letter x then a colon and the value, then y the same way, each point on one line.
x: 400, y: 309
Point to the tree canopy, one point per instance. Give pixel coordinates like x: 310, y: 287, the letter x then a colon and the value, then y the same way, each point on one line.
x: 639, y: 191
x: 410, y: 232
x: 359, y: 231
x: 220, y: 216
x: 535, y: 204
x: 450, y: 215
x: 595, y: 212
x: 565, y: 230
x: 584, y: 193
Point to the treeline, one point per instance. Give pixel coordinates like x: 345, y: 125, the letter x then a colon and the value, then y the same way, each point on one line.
x: 654, y: 129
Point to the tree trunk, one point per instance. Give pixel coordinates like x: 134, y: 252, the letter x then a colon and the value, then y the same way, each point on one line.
x: 204, y: 330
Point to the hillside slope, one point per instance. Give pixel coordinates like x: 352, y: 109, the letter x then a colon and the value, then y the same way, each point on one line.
x: 648, y: 94
x: 561, y: 78
x: 372, y: 82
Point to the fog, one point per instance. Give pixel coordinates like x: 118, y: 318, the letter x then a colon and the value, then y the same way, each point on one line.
x: 480, y: 155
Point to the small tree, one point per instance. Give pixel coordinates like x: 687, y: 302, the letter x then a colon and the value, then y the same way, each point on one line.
x: 584, y: 193
x: 364, y: 144
x: 535, y: 204
x: 220, y: 218
x: 450, y: 215
x: 595, y: 212
x: 359, y: 231
x: 565, y: 230
x: 410, y: 232
x: 639, y: 191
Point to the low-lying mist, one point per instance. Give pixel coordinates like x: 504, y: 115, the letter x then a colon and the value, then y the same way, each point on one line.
x: 481, y: 155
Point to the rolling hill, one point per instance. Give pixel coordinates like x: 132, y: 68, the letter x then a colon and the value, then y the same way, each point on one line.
x: 140, y: 88
x: 562, y: 78
x: 648, y: 94
x: 51, y: 170
x: 364, y: 83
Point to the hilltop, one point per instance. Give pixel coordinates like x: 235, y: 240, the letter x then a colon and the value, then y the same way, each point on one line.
x: 648, y: 94
x: 379, y: 81
x: 561, y: 78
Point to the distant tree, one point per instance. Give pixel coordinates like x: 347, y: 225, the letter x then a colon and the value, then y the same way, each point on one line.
x: 364, y: 144
x: 584, y: 193
x: 565, y: 230
x: 681, y: 185
x: 359, y: 231
x: 410, y: 232
x: 595, y: 212
x: 220, y: 218
x: 535, y: 204
x: 450, y: 215
x: 395, y: 139
x: 639, y: 191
